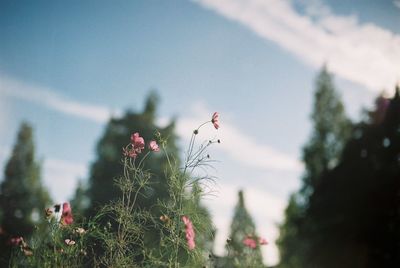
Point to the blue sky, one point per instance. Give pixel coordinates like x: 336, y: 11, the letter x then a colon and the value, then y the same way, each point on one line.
x: 67, y: 66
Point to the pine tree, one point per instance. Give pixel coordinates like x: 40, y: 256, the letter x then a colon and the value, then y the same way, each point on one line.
x: 80, y: 201
x: 331, y: 130
x: 242, y: 227
x: 355, y: 208
x: 108, y: 166
x: 22, y: 195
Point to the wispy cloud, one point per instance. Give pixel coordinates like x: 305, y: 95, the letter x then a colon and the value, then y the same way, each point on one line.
x: 62, y: 176
x: 46, y: 97
x: 363, y: 53
x: 396, y: 3
x: 238, y: 144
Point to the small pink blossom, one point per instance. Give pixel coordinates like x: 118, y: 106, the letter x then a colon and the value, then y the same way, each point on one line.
x: 215, y: 120
x: 67, y: 218
x: 250, y: 242
x: 189, y: 232
x: 262, y: 241
x: 16, y: 241
x: 129, y: 152
x: 153, y: 146
x: 137, y: 142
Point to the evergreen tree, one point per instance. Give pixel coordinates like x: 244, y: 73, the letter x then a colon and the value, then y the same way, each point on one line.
x: 80, y: 201
x: 242, y: 227
x: 355, y: 208
x: 108, y: 166
x: 331, y: 130
x: 22, y: 195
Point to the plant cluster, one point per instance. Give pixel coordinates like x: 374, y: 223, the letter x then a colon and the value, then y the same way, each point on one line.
x: 123, y: 234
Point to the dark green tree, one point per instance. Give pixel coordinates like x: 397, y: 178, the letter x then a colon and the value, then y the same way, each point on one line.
x: 242, y: 227
x: 23, y: 198
x: 355, y: 208
x: 79, y: 202
x: 331, y: 130
x: 108, y: 166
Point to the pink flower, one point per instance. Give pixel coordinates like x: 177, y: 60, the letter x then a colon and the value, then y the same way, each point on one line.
x: 16, y: 241
x: 189, y: 232
x: 129, y: 152
x: 215, y: 120
x: 66, y: 217
x: 137, y: 142
x: 250, y: 242
x: 153, y: 146
x: 262, y: 241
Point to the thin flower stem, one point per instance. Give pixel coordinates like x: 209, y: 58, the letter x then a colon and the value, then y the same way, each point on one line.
x: 191, y: 145
x: 143, y: 158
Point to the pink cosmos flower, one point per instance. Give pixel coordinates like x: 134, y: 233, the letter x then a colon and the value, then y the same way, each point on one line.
x: 262, y: 241
x: 16, y: 241
x: 215, y: 120
x: 137, y: 142
x: 250, y: 242
x: 153, y: 146
x: 189, y: 232
x: 66, y: 217
x: 129, y: 152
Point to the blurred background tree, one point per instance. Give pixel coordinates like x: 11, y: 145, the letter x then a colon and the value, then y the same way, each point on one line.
x: 242, y: 226
x: 331, y: 130
x: 80, y: 201
x: 355, y: 209
x: 108, y: 166
x: 23, y: 198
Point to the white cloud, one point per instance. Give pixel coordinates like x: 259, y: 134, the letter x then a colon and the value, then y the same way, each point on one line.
x: 396, y: 3
x: 46, y: 97
x: 361, y: 53
x: 238, y: 144
x: 61, y: 177
x: 3, y: 114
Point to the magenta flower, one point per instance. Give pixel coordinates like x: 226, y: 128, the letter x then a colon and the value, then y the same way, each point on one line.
x: 135, y: 147
x: 215, y: 120
x: 137, y: 142
x: 250, y: 242
x: 153, y: 146
x: 66, y: 217
x: 129, y: 152
x: 16, y: 241
x: 189, y: 232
